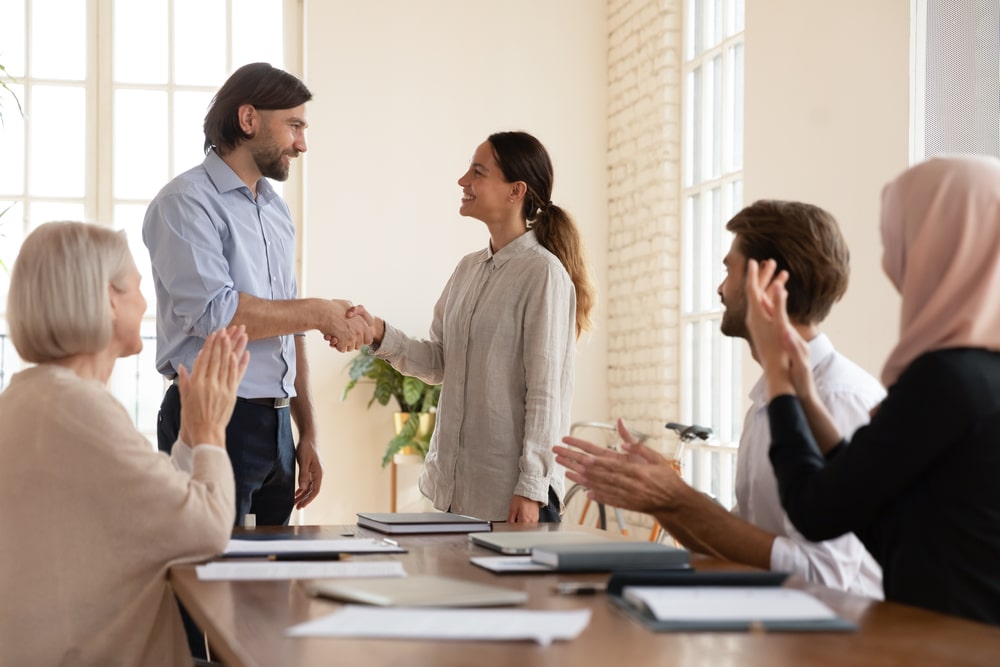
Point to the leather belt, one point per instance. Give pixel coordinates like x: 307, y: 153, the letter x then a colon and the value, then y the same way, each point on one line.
x: 275, y: 403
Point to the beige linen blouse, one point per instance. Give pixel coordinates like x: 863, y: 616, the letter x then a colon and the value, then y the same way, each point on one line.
x: 502, y: 343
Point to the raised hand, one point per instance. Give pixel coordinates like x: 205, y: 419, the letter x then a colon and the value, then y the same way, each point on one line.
x: 800, y: 367
x: 768, y: 324
x: 208, y: 391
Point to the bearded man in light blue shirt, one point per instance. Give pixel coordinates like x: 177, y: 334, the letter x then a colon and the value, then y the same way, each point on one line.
x: 222, y: 246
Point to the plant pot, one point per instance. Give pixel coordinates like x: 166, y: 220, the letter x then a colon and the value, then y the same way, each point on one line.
x: 424, y: 429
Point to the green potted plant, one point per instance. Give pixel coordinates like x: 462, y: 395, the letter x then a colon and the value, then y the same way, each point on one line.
x: 417, y: 402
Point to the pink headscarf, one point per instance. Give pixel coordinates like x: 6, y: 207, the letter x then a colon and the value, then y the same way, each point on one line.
x: 941, y: 249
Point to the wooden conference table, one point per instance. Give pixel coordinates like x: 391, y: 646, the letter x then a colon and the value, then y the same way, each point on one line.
x: 245, y: 623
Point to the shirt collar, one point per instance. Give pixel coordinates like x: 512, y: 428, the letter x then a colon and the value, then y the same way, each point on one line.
x: 225, y: 179
x: 522, y: 243
x: 820, y: 348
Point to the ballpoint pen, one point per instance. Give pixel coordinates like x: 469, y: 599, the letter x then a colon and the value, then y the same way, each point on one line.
x: 307, y: 555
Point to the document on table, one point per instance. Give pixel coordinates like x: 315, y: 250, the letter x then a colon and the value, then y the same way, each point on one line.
x: 354, y: 545
x: 730, y: 608
x: 542, y: 627
x: 722, y: 603
x: 270, y: 570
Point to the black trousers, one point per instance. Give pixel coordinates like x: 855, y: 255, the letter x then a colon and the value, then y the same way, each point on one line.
x: 261, y: 448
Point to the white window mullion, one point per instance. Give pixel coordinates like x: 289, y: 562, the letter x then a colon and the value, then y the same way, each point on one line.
x: 100, y: 205
x: 712, y: 127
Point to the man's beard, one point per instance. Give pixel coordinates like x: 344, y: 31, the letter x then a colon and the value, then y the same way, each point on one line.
x: 734, y: 324
x: 268, y: 159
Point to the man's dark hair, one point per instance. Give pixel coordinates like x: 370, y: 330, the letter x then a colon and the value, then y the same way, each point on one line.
x: 805, y: 241
x: 259, y: 84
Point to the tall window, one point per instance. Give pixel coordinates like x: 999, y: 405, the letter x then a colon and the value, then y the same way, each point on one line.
x: 712, y: 193
x: 109, y: 120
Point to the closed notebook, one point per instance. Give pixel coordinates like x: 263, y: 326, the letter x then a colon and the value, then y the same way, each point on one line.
x: 422, y: 522
x: 606, y: 556
x: 418, y: 591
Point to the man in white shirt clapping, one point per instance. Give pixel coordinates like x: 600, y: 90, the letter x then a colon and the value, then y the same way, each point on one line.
x: 806, y: 241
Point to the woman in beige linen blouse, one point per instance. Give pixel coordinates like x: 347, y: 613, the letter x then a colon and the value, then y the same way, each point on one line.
x: 91, y: 514
x: 502, y: 342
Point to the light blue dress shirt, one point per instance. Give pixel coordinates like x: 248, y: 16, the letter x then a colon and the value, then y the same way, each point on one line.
x: 209, y: 240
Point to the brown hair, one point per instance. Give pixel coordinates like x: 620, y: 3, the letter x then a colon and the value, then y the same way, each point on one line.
x: 259, y: 84
x: 805, y: 241
x: 521, y: 157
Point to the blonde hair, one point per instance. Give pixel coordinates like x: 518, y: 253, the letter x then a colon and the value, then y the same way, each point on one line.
x: 58, y: 303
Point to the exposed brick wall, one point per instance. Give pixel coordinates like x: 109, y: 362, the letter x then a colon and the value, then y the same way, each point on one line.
x: 644, y: 153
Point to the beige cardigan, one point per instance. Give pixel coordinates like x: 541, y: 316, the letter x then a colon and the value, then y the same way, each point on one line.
x: 90, y: 517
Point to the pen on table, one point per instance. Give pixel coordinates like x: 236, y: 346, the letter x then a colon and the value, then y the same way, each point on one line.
x: 314, y: 555
x: 386, y: 540
x: 579, y: 588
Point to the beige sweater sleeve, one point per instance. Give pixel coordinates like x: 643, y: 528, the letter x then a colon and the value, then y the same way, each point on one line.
x: 96, y: 516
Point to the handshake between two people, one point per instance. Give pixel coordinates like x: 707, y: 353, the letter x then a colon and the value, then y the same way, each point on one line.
x: 350, y: 327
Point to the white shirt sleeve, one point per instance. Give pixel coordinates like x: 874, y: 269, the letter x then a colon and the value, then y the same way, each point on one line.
x: 842, y: 563
x: 182, y: 454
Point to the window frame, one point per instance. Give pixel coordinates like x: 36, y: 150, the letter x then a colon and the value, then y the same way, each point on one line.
x: 710, y: 174
x: 98, y: 200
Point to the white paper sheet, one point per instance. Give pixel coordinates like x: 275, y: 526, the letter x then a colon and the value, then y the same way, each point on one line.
x: 728, y: 603
x: 509, y: 564
x: 351, y: 545
x: 447, y: 624
x: 270, y: 570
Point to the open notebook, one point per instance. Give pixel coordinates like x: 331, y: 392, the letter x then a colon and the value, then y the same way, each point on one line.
x: 721, y: 601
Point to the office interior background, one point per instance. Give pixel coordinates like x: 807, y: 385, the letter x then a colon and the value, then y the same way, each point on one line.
x: 663, y: 118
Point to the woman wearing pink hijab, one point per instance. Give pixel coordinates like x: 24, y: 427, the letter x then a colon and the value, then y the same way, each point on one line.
x: 920, y: 485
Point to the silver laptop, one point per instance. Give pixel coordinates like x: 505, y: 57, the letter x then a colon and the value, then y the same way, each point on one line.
x: 521, y: 542
x: 418, y: 591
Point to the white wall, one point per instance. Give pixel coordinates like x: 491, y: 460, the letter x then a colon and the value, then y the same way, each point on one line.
x: 827, y: 122
x: 404, y: 92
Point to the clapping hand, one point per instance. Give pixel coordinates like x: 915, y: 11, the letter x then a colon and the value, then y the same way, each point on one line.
x: 208, y: 391
x: 637, y: 478
x: 775, y: 342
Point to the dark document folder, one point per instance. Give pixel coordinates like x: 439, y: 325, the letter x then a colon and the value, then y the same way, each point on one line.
x: 607, y: 556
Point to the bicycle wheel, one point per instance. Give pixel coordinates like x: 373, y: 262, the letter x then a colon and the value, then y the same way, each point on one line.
x: 579, y: 510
